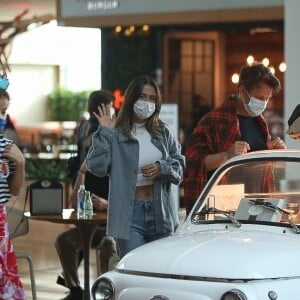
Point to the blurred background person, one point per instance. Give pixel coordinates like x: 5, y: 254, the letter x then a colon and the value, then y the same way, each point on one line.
x: 69, y: 244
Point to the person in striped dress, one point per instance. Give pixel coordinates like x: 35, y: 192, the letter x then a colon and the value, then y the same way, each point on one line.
x: 12, y: 176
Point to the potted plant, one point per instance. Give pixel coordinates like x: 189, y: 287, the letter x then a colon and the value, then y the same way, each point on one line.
x: 65, y: 105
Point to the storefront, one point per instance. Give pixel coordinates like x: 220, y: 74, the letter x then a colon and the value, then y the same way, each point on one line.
x: 191, y: 47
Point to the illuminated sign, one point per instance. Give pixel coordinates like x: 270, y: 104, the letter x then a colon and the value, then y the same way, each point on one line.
x: 102, y: 5
x: 73, y: 8
x: 149, y: 11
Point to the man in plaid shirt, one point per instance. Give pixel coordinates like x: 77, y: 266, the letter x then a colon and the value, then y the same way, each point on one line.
x: 234, y: 128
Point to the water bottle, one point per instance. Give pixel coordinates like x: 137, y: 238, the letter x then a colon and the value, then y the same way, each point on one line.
x: 88, y: 206
x: 80, y: 200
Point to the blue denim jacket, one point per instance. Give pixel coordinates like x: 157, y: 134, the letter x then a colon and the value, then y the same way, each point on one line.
x: 113, y: 154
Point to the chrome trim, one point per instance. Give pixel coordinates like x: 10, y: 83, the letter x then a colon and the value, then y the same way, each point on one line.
x: 159, y: 297
x: 95, y: 286
x: 234, y: 292
x: 198, y: 278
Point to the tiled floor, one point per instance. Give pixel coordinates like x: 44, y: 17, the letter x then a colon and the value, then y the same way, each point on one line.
x: 40, y: 243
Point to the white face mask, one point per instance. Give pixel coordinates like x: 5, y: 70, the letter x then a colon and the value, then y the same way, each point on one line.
x: 144, y: 109
x: 255, y: 107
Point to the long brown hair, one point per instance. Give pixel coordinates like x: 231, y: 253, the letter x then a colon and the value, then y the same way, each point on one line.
x: 131, y: 95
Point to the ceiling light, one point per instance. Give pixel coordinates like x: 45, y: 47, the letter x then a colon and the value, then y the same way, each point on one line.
x: 282, y: 67
x: 250, y: 59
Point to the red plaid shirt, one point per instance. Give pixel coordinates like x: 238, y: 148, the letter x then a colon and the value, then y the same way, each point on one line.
x: 216, y: 132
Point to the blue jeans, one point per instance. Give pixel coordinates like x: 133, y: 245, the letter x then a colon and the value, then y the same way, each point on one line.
x: 143, y: 229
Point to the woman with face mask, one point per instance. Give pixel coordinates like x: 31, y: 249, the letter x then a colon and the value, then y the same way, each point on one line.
x: 234, y: 128
x: 143, y: 160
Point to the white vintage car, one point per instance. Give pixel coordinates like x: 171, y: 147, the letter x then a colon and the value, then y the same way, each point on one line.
x: 240, y: 242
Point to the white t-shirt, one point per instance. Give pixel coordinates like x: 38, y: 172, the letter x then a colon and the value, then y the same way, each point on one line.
x: 148, y: 153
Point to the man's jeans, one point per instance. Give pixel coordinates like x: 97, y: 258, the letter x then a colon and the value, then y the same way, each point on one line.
x: 142, y: 228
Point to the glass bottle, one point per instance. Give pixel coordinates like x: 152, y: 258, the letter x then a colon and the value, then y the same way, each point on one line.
x: 80, y: 200
x: 88, y: 206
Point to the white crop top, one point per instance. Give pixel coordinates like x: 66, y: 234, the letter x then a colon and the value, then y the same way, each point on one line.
x: 148, y: 153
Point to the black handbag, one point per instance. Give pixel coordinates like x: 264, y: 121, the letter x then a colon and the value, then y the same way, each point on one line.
x: 45, y: 197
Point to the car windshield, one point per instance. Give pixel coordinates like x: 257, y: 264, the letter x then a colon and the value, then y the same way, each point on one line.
x: 260, y: 191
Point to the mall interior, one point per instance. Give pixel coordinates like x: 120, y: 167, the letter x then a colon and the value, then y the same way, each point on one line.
x: 197, y: 50
x: 193, y: 47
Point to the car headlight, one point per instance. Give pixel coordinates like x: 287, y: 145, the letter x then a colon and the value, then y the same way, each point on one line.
x: 103, y: 289
x: 234, y: 295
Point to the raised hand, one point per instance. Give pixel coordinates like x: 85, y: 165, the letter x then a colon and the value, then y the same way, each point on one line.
x: 104, y: 117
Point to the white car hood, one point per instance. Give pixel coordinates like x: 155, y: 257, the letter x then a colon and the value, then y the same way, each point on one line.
x: 236, y: 253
